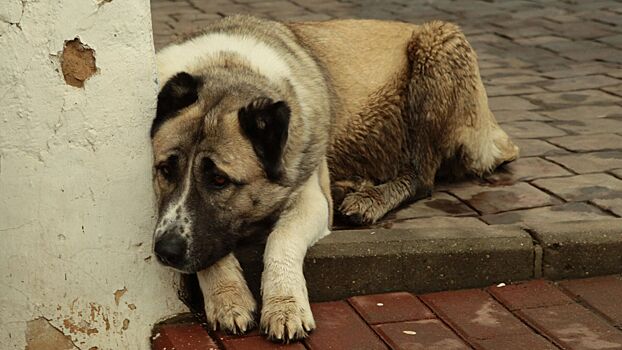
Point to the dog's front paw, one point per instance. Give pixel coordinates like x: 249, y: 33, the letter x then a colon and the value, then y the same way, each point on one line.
x: 286, y: 318
x: 231, y: 308
x: 361, y: 208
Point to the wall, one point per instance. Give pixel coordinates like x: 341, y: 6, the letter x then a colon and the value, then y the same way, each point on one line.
x: 76, y: 206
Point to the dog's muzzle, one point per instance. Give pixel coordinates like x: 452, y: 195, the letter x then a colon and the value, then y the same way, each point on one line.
x: 171, y: 248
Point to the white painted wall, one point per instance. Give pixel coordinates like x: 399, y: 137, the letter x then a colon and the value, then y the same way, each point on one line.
x: 76, y: 205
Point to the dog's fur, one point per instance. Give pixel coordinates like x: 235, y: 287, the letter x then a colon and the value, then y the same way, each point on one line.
x: 258, y: 122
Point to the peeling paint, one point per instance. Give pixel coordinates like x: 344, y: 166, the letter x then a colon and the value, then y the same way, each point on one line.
x: 126, y: 324
x: 119, y: 294
x: 82, y: 328
x: 77, y: 62
x: 42, y: 335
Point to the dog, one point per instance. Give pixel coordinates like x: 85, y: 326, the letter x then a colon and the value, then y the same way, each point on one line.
x: 262, y: 127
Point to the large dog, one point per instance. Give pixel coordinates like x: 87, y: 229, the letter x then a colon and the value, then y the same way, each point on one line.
x: 258, y: 122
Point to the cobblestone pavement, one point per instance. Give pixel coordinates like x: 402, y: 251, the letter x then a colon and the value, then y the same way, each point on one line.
x: 552, y: 72
x: 539, y: 315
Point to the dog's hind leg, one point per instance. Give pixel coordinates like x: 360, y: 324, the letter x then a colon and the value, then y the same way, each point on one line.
x: 229, y: 304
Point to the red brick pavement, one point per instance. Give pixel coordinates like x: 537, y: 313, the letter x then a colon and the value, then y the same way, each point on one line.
x: 539, y: 315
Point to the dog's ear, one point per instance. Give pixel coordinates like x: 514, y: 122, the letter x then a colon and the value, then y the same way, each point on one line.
x: 179, y: 92
x: 266, y: 123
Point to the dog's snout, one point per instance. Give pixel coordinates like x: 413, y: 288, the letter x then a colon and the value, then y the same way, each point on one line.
x: 171, y: 249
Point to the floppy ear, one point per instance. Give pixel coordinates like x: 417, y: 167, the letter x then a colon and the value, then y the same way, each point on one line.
x: 265, y: 123
x: 179, y: 92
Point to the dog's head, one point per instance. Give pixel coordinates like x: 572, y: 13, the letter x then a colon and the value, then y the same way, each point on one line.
x: 218, y: 166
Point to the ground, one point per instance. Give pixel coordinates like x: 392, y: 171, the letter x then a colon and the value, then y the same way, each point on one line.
x: 540, y: 315
x: 552, y: 72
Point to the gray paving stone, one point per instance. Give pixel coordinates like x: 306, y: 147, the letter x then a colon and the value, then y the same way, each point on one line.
x: 535, y: 147
x: 511, y: 103
x: 580, y: 83
x: 590, y: 126
x: 531, y: 129
x: 526, y: 169
x: 613, y: 205
x: 583, y: 187
x: 440, y: 204
x: 590, y: 162
x: 616, y: 90
x: 493, y: 199
x: 586, y: 143
x: 585, y: 112
x: 571, y: 98
x: 512, y: 116
x: 558, y: 213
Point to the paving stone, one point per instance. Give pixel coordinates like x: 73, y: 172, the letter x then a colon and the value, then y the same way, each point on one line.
x: 516, y: 342
x: 511, y: 103
x: 583, y: 187
x: 511, y: 116
x: 541, y: 40
x: 580, y: 83
x: 531, y: 130
x: 437, y: 222
x: 592, y: 162
x: 586, y: 143
x: 535, y: 147
x: 495, y: 199
x: 390, y: 307
x: 556, y: 213
x: 580, y: 69
x: 526, y: 169
x: 183, y: 337
x: 585, y: 112
x: 509, y: 90
x: 420, y: 335
x: 258, y: 343
x: 591, y: 126
x: 440, y: 204
x: 339, y: 327
x: 616, y: 89
x: 529, y: 295
x: 599, y: 293
x: 573, y: 327
x: 571, y: 98
x: 474, y: 314
x: 613, y: 205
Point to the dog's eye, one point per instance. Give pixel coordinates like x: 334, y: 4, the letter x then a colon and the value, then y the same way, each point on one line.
x: 218, y: 182
x: 168, y: 168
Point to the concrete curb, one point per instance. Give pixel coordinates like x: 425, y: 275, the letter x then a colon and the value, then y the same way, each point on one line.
x: 424, y: 259
x: 421, y: 260
x: 580, y: 249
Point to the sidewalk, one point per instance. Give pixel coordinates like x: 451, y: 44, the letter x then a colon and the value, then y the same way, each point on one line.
x: 540, y: 315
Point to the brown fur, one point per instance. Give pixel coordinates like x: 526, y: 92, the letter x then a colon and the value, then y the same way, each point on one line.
x: 410, y: 100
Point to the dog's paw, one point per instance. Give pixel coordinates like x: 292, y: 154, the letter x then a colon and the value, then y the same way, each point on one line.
x: 286, y: 318
x: 361, y: 208
x: 230, y: 308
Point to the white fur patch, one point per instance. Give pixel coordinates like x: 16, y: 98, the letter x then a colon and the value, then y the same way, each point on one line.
x: 194, y: 53
x: 176, y: 212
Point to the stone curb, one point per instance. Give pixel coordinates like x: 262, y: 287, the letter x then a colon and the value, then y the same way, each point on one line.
x: 423, y: 260
x: 580, y: 249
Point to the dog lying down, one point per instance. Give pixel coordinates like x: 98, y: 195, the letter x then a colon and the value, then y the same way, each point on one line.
x: 259, y: 124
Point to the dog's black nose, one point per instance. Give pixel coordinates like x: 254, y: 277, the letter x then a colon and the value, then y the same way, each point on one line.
x: 170, y: 249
